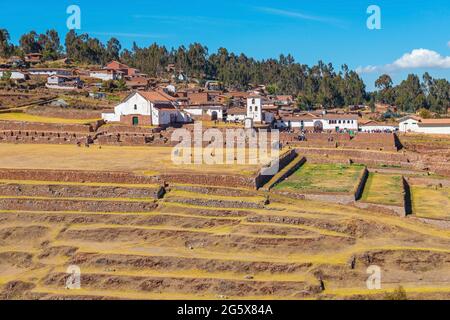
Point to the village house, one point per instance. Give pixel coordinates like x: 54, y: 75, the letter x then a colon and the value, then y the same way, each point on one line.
x: 123, y: 68
x: 205, y: 111
x: 33, y: 58
x: 137, y: 83
x: 116, y: 71
x: 374, y: 126
x: 420, y: 125
x: 106, y: 74
x: 236, y: 114
x: 284, y: 99
x: 63, y: 82
x: 153, y: 108
x: 323, y: 122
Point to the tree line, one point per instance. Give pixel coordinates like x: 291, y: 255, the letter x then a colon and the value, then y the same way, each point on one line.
x: 317, y: 85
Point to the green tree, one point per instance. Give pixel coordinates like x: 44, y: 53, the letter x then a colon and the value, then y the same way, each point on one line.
x: 50, y: 44
x: 29, y: 43
x: 386, y: 93
x: 6, y: 76
x: 409, y: 94
x: 121, y: 85
x: 113, y: 48
x: 5, y: 47
x: 425, y: 113
x: 272, y: 89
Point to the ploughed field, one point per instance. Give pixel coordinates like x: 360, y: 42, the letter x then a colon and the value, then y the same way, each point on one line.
x: 195, y: 242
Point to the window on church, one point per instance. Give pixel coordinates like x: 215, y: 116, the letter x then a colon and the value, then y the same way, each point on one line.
x: 135, y: 107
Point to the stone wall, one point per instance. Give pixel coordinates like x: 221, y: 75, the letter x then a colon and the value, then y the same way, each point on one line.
x: 285, y: 173
x: 79, y: 191
x: 364, y: 141
x: 285, y: 158
x: 30, y: 204
x: 77, y: 176
x: 44, y: 127
x: 359, y: 189
x: 235, y: 181
x: 43, y: 137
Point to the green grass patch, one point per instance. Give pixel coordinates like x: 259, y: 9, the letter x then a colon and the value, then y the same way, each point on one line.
x: 383, y: 189
x: 335, y: 178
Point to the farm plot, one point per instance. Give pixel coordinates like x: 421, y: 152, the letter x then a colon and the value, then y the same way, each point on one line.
x: 385, y: 189
x: 323, y: 178
x: 431, y: 202
x: 19, y: 116
x: 150, y: 161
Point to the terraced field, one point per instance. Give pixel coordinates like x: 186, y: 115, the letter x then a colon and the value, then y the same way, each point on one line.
x: 431, y: 201
x: 384, y: 189
x: 152, y: 160
x: 323, y: 178
x: 201, y: 242
x: 20, y: 116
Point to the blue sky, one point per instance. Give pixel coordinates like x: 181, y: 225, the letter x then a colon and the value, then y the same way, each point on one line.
x: 333, y: 31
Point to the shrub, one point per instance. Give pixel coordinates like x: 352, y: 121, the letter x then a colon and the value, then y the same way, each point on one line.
x: 398, y: 294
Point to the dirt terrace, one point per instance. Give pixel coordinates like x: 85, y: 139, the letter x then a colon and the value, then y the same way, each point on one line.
x: 203, y: 242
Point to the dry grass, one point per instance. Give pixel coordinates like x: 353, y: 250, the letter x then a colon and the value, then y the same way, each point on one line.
x: 109, y: 158
x: 19, y: 116
x: 384, y: 189
x: 431, y: 202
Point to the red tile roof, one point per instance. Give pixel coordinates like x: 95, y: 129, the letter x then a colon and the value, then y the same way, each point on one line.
x: 156, y: 96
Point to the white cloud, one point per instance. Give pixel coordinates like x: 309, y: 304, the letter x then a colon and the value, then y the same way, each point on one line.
x: 418, y: 58
x: 298, y: 15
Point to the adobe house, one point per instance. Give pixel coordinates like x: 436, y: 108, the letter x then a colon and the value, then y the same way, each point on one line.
x: 420, y: 125
x: 33, y: 58
x: 333, y: 122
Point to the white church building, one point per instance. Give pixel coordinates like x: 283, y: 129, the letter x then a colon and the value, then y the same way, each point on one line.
x: 146, y: 108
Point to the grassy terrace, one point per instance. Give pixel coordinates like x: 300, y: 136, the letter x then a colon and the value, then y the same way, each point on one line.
x: 384, y: 189
x: 19, y: 116
x: 147, y: 160
x: 431, y: 202
x: 323, y: 178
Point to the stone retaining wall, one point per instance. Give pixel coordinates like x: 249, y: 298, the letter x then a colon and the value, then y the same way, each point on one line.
x: 80, y: 191
x: 37, y: 126
x: 363, y: 141
x: 359, y: 189
x: 283, y: 174
x: 43, y: 137
x: 285, y: 158
x: 75, y: 205
x: 77, y: 176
